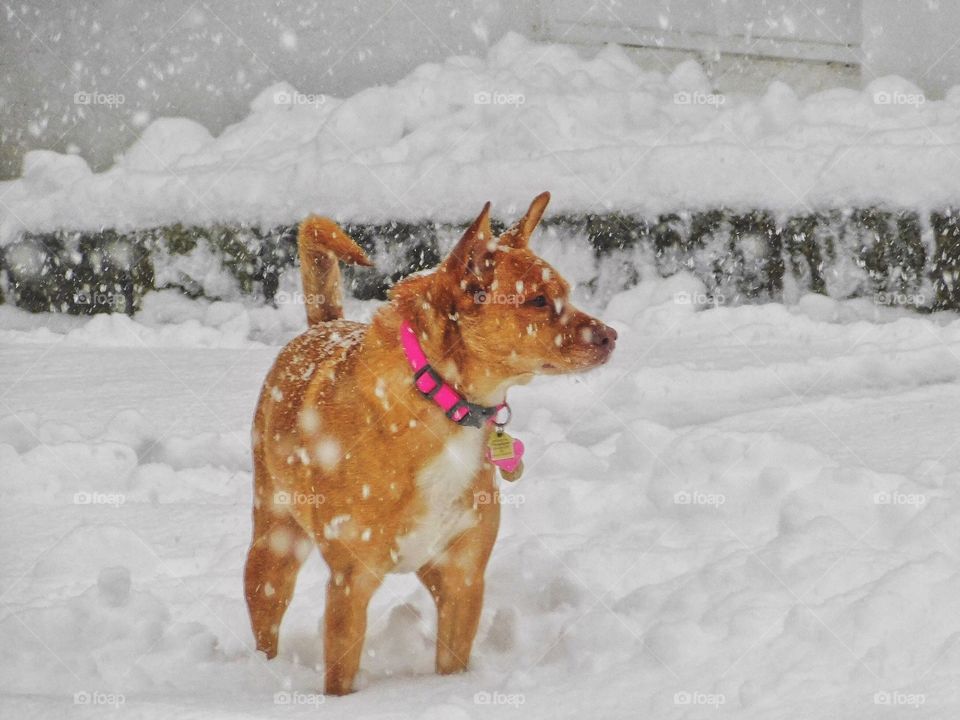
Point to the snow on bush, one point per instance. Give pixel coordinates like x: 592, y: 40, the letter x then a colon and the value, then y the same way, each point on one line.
x: 599, y: 132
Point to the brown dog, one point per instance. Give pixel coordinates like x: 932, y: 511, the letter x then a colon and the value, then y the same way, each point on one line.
x: 355, y: 456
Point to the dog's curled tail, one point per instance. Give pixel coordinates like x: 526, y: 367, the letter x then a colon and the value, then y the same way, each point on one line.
x: 321, y: 243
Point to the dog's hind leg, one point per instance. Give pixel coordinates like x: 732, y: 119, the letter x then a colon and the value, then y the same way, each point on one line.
x: 345, y: 624
x: 277, y: 551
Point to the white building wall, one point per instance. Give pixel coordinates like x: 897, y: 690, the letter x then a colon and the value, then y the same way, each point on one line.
x: 918, y: 39
x: 206, y: 60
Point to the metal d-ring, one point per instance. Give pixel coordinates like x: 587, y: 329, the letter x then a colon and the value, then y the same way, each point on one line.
x: 496, y: 421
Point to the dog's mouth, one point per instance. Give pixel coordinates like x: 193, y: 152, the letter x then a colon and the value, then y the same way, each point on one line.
x: 598, y: 344
x: 593, y: 362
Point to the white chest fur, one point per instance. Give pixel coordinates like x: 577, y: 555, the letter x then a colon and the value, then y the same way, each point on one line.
x: 441, y: 485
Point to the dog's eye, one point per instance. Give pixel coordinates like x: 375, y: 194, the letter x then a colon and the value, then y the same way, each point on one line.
x: 539, y: 301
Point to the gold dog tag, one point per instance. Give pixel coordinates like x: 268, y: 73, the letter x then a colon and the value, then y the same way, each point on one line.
x: 500, y: 446
x: 512, y: 476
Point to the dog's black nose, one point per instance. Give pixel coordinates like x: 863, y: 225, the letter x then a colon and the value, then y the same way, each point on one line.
x: 602, y: 335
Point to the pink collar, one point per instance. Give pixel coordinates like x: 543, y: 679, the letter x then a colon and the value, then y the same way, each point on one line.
x: 432, y: 386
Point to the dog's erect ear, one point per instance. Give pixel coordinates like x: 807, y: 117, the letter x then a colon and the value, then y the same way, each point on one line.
x: 518, y: 235
x: 473, y: 254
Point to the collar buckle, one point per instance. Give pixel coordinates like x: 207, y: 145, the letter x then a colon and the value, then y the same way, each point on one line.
x: 436, y: 389
x: 429, y: 392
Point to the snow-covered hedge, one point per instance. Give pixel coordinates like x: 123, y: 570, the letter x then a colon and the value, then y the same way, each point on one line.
x: 623, y: 150
x: 895, y: 257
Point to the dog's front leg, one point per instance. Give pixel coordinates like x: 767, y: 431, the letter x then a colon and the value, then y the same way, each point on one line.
x: 455, y: 580
x: 345, y: 625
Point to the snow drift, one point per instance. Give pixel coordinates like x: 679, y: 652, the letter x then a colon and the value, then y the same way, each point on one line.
x: 600, y: 133
x: 750, y: 510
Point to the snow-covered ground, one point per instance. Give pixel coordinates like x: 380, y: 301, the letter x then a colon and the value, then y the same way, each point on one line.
x: 751, y: 512
x: 600, y: 133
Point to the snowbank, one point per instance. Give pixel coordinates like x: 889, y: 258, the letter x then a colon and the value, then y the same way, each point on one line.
x: 600, y: 133
x: 751, y: 509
